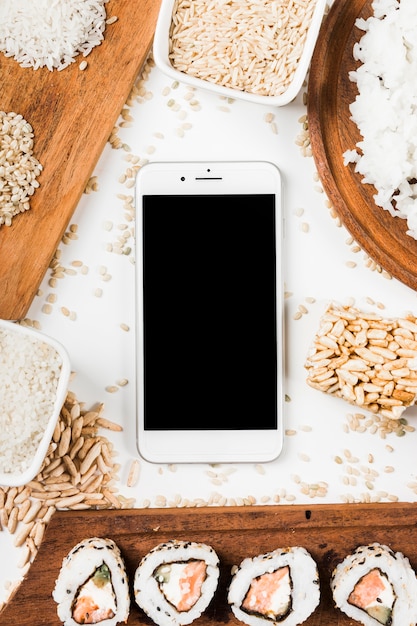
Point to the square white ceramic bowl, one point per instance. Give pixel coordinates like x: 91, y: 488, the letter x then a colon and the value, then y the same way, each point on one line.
x: 161, y: 54
x: 38, y: 367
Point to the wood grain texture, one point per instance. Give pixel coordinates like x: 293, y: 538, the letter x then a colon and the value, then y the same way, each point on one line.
x: 332, y: 132
x: 328, y: 531
x: 72, y: 113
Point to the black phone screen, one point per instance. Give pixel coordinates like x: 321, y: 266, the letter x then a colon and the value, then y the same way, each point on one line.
x: 209, y: 312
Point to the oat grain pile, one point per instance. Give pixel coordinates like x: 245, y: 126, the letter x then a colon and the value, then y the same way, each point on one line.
x: 253, y: 47
x: 19, y: 168
x: 366, y: 359
x: 80, y: 472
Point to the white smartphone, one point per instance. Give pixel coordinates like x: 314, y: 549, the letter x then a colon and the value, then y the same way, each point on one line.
x: 209, y: 285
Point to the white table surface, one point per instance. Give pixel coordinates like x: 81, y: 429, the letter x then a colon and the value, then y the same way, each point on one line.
x: 322, y: 264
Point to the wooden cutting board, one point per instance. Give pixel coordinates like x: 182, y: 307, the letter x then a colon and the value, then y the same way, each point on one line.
x: 329, y: 532
x: 72, y: 113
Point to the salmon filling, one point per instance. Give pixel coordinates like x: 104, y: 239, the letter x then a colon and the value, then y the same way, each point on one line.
x: 270, y: 595
x: 374, y: 594
x: 95, y: 600
x: 181, y: 582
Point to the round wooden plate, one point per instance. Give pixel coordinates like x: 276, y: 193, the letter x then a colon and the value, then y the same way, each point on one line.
x: 332, y: 132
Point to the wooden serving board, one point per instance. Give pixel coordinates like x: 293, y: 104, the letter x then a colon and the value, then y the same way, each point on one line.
x: 332, y: 132
x: 72, y: 113
x: 329, y: 532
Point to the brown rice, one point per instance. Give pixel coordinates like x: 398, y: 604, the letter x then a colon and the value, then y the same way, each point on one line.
x: 252, y: 47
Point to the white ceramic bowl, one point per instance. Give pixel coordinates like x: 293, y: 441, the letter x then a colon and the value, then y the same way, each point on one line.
x: 162, y: 61
x: 16, y: 332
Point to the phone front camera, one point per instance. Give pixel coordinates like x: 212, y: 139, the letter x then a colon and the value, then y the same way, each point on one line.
x: 182, y: 178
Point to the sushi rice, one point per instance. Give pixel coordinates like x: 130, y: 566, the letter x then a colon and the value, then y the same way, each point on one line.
x: 375, y: 585
x: 279, y: 587
x: 175, y: 582
x: 385, y: 107
x: 92, y: 585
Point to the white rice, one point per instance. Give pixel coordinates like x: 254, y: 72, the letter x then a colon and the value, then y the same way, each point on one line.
x: 50, y: 33
x: 29, y: 374
x: 385, y: 110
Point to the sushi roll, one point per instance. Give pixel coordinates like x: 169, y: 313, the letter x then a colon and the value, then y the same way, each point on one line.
x: 92, y: 585
x: 279, y: 587
x: 375, y: 586
x: 175, y: 582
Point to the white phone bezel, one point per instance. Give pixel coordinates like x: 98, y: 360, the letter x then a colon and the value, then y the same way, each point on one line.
x: 210, y: 446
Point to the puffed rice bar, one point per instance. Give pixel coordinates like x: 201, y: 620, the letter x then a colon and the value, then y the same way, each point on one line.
x: 366, y: 359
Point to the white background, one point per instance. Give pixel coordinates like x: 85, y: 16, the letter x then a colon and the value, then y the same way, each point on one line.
x: 318, y: 269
